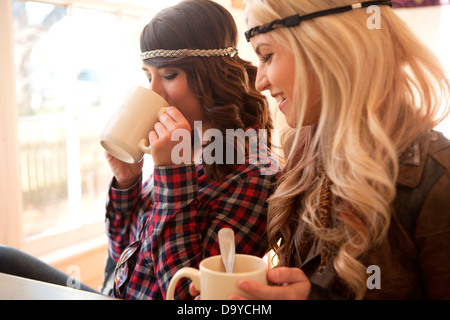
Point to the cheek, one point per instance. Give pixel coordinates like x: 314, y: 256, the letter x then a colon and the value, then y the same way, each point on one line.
x: 182, y: 98
x: 288, y: 81
x: 282, y: 77
x: 178, y: 93
x: 287, y: 68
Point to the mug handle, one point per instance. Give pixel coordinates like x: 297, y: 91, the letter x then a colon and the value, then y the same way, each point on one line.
x: 144, y: 144
x: 190, y: 273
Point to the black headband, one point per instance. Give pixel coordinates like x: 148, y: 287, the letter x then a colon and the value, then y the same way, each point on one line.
x: 293, y: 21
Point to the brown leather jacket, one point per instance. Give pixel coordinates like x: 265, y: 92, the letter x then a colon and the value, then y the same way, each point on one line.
x: 414, y: 259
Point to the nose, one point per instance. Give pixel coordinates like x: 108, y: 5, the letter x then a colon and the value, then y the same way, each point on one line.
x: 262, y: 82
x: 157, y: 86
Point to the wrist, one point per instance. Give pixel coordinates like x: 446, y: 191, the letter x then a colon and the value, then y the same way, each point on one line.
x: 124, y: 184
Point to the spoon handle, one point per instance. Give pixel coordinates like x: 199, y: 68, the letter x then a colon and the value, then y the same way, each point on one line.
x: 227, y: 248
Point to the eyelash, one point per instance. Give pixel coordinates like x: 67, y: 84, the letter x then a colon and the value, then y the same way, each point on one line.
x: 169, y: 77
x: 267, y: 57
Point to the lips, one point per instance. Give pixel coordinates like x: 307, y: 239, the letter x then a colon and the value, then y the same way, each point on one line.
x: 280, y: 98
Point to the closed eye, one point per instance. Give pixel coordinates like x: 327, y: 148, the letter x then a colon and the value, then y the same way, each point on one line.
x: 168, y: 77
x: 267, y: 57
x: 171, y: 76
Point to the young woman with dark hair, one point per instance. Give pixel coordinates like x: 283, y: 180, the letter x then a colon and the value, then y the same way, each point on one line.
x: 172, y: 220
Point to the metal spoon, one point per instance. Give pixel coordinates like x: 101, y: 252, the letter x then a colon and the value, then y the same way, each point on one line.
x: 227, y: 248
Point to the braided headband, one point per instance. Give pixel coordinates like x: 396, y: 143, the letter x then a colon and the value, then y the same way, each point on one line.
x: 188, y: 52
x: 293, y: 21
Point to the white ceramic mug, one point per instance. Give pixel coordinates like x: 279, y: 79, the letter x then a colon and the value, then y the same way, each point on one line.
x: 126, y: 134
x: 214, y: 283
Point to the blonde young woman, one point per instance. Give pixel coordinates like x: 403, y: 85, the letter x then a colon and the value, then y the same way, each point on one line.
x: 363, y: 207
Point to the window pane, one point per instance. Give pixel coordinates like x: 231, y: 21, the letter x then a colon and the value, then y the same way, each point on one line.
x: 41, y: 129
x: 44, y: 172
x: 73, y: 67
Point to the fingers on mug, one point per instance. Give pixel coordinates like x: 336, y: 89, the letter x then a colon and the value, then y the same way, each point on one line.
x: 144, y: 145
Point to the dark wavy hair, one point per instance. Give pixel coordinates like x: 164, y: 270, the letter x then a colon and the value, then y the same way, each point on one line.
x: 224, y: 85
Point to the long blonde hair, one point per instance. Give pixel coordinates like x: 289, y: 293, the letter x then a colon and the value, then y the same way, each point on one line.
x: 380, y: 89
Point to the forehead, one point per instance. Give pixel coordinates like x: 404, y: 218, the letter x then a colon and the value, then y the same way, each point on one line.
x: 264, y: 41
x: 149, y: 68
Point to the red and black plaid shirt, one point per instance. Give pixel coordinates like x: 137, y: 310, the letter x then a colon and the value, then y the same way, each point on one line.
x: 176, y: 215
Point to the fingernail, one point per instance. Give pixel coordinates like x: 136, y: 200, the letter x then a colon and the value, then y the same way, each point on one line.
x: 243, y: 285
